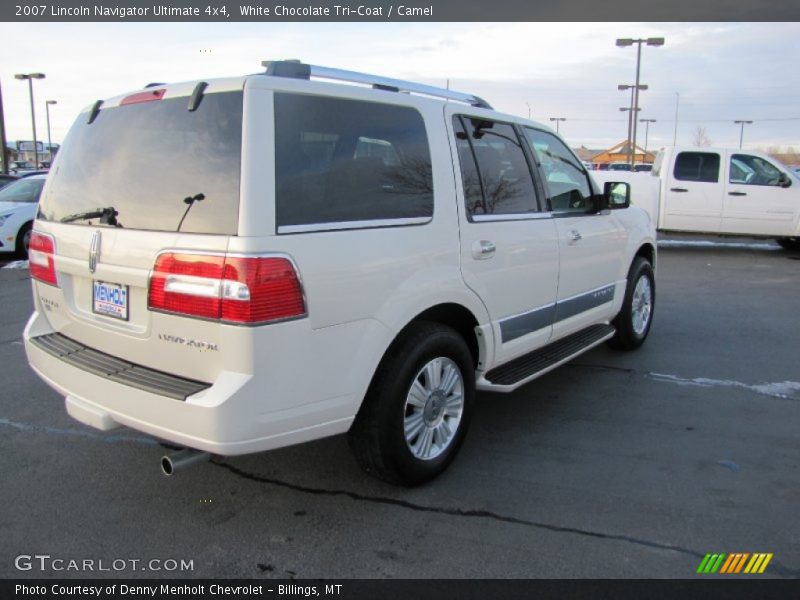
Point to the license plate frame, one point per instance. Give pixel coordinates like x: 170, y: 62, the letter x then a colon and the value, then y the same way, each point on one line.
x: 113, y: 301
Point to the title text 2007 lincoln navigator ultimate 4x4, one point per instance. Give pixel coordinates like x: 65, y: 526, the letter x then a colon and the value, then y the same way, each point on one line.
x: 242, y: 264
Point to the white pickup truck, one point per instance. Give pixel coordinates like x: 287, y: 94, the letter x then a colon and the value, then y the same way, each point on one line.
x: 723, y: 191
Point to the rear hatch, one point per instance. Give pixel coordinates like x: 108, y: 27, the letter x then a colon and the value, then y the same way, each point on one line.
x: 149, y: 174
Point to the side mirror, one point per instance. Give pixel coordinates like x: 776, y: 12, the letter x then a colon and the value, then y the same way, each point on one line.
x: 784, y: 180
x: 616, y: 194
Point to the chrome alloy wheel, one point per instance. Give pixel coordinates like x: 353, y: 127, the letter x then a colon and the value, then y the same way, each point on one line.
x: 26, y: 240
x: 433, y: 409
x: 642, y: 305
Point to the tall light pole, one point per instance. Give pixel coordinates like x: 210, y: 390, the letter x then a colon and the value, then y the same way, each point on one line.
x: 677, y: 103
x: 49, y: 142
x: 30, y: 77
x: 623, y: 42
x: 558, y: 120
x: 646, y: 133
x: 741, y: 133
x: 529, y: 109
x: 631, y: 117
x: 3, y: 148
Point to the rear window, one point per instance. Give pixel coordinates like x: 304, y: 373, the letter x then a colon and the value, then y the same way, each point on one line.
x: 135, y: 166
x: 342, y: 164
x: 697, y: 166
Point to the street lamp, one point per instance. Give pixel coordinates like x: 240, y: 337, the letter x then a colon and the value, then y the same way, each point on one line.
x: 30, y: 77
x: 741, y: 133
x: 622, y: 87
x: 49, y: 142
x: 623, y: 42
x: 646, y: 133
x: 558, y: 120
x: 3, y: 149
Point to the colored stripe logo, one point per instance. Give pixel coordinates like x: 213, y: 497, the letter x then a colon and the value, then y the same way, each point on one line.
x: 738, y: 562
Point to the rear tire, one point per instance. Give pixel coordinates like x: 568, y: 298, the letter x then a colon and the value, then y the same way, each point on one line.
x: 23, y: 239
x: 636, y: 316
x: 417, y: 409
x: 789, y: 243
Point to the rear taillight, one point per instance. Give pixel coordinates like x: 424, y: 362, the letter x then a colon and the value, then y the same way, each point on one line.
x: 235, y: 289
x: 41, y: 258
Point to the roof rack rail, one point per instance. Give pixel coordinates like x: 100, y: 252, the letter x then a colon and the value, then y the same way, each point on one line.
x: 298, y: 70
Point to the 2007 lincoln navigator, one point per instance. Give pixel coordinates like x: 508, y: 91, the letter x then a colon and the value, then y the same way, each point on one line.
x: 241, y: 264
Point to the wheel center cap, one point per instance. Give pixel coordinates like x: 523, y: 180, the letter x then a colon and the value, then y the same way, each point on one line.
x: 434, y: 408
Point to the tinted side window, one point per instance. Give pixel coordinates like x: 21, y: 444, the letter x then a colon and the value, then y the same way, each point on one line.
x: 502, y: 183
x: 697, y: 166
x: 566, y: 177
x: 343, y: 161
x: 752, y: 170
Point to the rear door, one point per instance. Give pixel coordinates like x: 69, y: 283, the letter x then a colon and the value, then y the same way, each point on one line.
x: 693, y: 197
x: 509, y: 250
x: 143, y: 175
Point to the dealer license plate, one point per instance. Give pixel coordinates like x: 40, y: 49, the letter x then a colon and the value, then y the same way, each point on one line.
x: 110, y: 299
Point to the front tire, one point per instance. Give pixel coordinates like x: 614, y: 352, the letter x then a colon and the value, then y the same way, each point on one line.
x: 417, y: 409
x: 636, y: 316
x: 24, y: 239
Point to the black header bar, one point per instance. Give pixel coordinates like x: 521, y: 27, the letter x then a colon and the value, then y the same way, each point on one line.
x: 395, y: 11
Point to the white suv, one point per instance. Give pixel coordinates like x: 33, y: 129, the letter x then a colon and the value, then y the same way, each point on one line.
x: 248, y: 263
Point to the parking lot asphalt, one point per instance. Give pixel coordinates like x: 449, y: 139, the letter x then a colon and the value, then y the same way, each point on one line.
x: 616, y: 465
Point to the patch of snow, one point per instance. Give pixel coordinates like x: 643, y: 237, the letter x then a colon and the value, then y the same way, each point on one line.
x: 778, y: 389
x: 17, y: 264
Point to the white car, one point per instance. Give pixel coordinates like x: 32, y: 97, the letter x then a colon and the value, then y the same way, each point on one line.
x: 305, y: 258
x: 17, y: 213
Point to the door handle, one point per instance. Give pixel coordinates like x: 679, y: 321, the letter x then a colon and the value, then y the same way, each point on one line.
x: 737, y: 194
x: 483, y: 249
x: 575, y: 235
x: 678, y: 190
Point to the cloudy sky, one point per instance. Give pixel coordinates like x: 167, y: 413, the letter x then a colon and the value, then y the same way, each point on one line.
x: 717, y: 73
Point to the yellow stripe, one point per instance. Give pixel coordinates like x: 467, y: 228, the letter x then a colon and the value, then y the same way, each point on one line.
x: 765, y: 563
x: 753, y: 562
x: 724, y: 568
x: 741, y: 562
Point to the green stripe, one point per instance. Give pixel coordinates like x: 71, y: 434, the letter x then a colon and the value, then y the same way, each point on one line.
x: 701, y: 568
x: 718, y: 564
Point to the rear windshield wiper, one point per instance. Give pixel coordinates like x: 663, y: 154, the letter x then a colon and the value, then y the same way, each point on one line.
x: 107, y: 216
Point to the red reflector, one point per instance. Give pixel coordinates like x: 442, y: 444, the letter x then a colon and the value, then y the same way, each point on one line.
x: 41, y: 258
x: 148, y: 96
x: 234, y: 289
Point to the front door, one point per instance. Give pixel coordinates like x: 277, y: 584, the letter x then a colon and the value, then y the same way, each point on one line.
x: 757, y: 199
x: 591, y: 243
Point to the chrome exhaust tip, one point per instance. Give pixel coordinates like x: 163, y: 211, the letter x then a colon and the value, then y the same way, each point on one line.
x: 181, y: 459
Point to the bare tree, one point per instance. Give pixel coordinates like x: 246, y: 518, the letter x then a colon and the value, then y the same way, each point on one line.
x: 701, y: 138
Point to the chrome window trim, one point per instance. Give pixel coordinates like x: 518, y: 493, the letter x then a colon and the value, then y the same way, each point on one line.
x: 347, y: 225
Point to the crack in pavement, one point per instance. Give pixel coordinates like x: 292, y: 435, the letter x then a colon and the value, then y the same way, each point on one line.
x: 777, y: 567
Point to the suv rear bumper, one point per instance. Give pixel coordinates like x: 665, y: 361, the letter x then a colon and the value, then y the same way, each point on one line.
x: 222, y: 419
